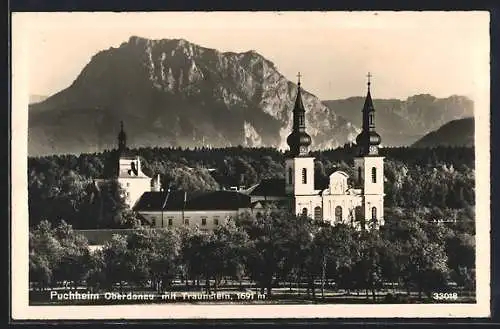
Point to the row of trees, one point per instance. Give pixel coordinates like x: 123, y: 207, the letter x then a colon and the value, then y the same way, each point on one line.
x: 272, y: 249
x: 60, y: 186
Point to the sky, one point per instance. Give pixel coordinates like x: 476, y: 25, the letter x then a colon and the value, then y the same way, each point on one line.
x: 407, y: 53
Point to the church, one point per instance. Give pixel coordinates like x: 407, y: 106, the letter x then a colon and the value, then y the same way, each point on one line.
x: 358, y: 202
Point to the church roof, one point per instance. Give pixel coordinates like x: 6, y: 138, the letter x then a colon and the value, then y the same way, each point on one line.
x: 152, y: 201
x: 276, y: 187
x: 217, y: 200
x: 269, y: 187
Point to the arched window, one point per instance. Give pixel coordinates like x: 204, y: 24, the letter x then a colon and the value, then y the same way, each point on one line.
x: 359, y: 175
x: 304, y: 211
x: 371, y: 119
x: 374, y: 213
x: 290, y: 175
x: 338, y: 214
x: 374, y: 175
x: 318, y: 213
x: 304, y: 176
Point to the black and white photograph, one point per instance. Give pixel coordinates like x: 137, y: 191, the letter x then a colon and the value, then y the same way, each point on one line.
x: 198, y: 165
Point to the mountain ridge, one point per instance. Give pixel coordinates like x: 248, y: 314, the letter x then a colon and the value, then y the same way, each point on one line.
x: 176, y: 93
x: 403, y: 122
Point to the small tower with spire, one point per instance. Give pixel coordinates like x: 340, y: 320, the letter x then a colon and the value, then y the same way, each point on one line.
x: 369, y: 166
x: 299, y: 165
x: 122, y: 140
x: 130, y: 176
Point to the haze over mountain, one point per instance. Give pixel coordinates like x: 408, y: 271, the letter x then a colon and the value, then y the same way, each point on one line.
x: 174, y: 93
x: 403, y: 122
x: 454, y: 133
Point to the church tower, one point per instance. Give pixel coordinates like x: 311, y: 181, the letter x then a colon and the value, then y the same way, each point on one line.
x: 122, y: 140
x: 369, y: 168
x: 299, y: 165
x: 130, y: 176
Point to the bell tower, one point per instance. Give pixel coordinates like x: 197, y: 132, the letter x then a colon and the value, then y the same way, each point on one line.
x: 299, y: 165
x: 369, y: 167
x: 122, y: 140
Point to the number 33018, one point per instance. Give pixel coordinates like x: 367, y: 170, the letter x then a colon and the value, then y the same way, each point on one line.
x: 445, y: 295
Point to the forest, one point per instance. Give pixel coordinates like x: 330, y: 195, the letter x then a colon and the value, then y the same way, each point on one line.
x: 438, y: 181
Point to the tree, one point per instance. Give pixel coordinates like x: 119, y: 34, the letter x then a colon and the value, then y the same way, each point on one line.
x: 154, y: 256
x: 267, y: 251
x: 75, y: 257
x: 45, y: 252
x: 461, y: 259
x: 116, y: 261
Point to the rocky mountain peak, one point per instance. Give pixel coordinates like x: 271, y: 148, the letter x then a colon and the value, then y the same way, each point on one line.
x: 171, y: 92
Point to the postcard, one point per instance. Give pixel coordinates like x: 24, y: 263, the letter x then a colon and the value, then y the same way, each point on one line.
x: 236, y: 165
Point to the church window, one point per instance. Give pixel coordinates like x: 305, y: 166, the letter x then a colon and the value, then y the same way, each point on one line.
x: 304, y: 211
x: 359, y: 175
x: 338, y: 214
x: 318, y: 213
x: 170, y: 221
x: 374, y: 175
x: 203, y: 221
x: 304, y: 176
x: 290, y: 175
x: 374, y: 213
x: 371, y: 119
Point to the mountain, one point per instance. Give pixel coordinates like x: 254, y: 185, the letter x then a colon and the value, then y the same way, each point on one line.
x: 454, y: 133
x: 402, y: 122
x: 37, y: 98
x: 172, y: 92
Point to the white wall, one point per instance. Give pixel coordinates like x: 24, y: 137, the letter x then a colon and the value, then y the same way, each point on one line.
x: 134, y: 188
x: 346, y: 202
x: 194, y: 217
x: 296, y: 187
x: 307, y: 201
x: 366, y: 164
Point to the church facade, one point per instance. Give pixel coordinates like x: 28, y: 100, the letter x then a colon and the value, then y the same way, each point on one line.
x: 358, y: 202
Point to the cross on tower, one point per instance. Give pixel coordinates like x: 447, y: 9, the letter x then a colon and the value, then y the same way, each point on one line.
x: 369, y: 75
x: 298, y: 76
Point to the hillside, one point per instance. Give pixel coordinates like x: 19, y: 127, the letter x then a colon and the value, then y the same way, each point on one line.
x: 176, y: 93
x: 454, y: 133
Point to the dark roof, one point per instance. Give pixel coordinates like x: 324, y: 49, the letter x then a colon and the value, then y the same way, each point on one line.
x: 217, y: 200
x: 172, y: 200
x: 270, y: 187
